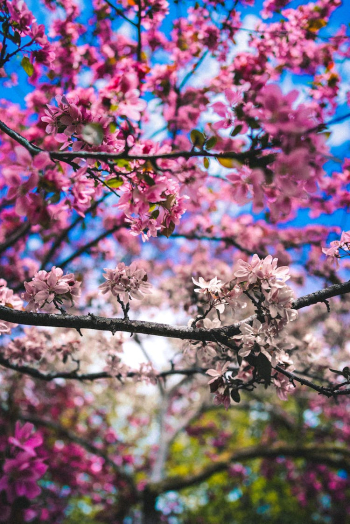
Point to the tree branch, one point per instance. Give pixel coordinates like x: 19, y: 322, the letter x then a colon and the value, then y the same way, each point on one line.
x: 48, y: 377
x: 15, y: 236
x: 310, y: 453
x: 66, y: 156
x: 153, y: 328
x: 66, y: 231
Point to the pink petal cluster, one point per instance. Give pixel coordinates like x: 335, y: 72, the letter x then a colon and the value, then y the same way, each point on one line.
x: 24, y: 468
x: 226, y: 110
x: 21, y: 19
x: 19, y: 189
x: 8, y: 299
x: 126, y: 282
x: 265, y: 284
x: 48, y: 290
x: 83, y: 190
x: 69, y: 120
x: 343, y: 244
x: 213, y: 287
x: 26, y: 349
x: 283, y: 386
x: 217, y: 373
x: 263, y: 270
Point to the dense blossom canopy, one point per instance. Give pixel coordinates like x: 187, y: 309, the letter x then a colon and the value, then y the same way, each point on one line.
x: 168, y: 172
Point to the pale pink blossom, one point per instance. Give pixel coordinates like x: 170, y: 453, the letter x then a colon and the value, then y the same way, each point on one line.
x: 217, y: 373
x: 48, y: 289
x: 212, y: 287
x: 126, y: 282
x: 283, y: 386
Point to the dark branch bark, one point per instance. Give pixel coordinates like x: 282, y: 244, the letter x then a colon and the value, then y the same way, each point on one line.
x: 329, y: 455
x: 74, y: 375
x: 307, y: 300
x: 16, y: 235
x: 153, y: 328
x: 66, y: 156
x: 64, y: 234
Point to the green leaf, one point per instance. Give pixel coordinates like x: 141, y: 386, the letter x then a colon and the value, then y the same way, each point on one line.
x: 206, y: 162
x: 120, y: 162
x: 211, y: 142
x: 229, y: 162
x: 115, y: 182
x: 236, y: 130
x: 112, y: 127
x: 17, y: 38
x: 263, y: 365
x: 197, y: 138
x: 236, y: 397
x: 27, y: 66
x: 253, y: 123
x: 167, y: 231
x: 148, y: 179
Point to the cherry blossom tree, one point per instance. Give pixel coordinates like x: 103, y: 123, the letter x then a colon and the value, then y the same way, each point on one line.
x: 171, y: 254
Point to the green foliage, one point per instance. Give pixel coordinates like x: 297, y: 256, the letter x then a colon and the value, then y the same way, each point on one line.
x: 27, y: 66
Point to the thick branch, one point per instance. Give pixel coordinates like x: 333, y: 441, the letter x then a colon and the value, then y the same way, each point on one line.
x: 329, y: 455
x: 153, y: 328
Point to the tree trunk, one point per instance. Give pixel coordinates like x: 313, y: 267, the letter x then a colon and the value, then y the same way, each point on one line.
x: 149, y: 513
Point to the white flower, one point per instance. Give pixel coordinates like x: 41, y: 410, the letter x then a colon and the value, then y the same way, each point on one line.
x: 213, y: 287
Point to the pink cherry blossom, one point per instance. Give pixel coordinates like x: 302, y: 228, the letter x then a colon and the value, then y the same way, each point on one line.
x: 48, y: 289
x: 126, y: 282
x: 21, y: 475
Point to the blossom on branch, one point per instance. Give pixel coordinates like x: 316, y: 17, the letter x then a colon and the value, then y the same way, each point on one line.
x: 49, y: 290
x: 126, y: 282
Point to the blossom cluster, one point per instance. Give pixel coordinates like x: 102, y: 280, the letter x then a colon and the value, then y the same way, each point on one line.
x: 264, y: 283
x: 295, y: 169
x: 68, y: 121
x: 151, y: 201
x: 342, y: 244
x: 126, y: 282
x: 17, y: 17
x: 24, y: 467
x: 48, y: 290
x: 8, y: 299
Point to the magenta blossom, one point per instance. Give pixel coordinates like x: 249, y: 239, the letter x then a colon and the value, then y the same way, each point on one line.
x: 24, y: 439
x: 21, y: 475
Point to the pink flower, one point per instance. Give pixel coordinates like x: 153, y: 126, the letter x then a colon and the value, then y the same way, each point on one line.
x: 46, y: 288
x: 221, y: 398
x: 24, y: 439
x: 217, y: 373
x: 265, y: 270
x: 279, y: 301
x: 126, y: 282
x: 343, y: 243
x: 21, y: 475
x: 83, y: 191
x: 226, y: 110
x: 8, y: 299
x: 17, y: 188
x: 283, y: 386
x: 213, y: 287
